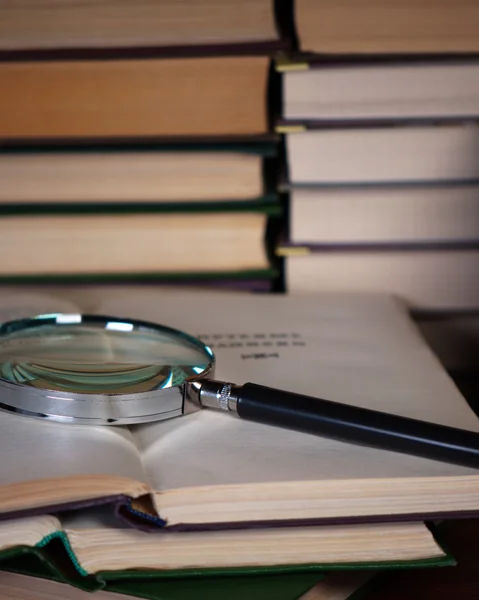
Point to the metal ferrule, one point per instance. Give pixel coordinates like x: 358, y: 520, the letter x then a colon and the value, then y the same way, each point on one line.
x: 218, y: 394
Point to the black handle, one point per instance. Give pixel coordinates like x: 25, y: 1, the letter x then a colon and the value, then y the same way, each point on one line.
x: 357, y: 425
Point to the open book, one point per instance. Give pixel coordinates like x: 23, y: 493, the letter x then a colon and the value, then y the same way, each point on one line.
x: 212, y: 470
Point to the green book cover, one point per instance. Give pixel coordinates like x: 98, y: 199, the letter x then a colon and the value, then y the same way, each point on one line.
x: 51, y: 559
x: 232, y: 279
x: 98, y: 188
x: 333, y: 586
x: 79, y: 551
x: 267, y: 204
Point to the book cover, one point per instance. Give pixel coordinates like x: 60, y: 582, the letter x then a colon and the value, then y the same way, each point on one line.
x: 334, y: 586
x: 61, y: 556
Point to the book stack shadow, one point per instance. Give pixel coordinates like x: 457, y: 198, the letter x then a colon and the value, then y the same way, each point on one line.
x: 135, y: 143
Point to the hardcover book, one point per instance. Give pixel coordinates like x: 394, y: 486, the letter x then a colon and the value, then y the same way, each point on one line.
x: 99, y: 553
x: 387, y: 26
x: 137, y: 176
x: 173, y: 97
x: 144, y: 28
x: 132, y: 243
x: 426, y: 153
x: 427, y: 277
x: 209, y: 470
x: 316, y: 90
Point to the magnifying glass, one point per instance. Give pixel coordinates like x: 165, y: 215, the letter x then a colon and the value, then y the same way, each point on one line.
x: 100, y: 370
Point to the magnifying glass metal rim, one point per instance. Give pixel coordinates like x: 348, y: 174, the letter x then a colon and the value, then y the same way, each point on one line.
x: 103, y: 409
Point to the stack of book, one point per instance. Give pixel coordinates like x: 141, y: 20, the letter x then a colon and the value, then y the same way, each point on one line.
x: 209, y: 506
x: 136, y: 144
x: 135, y: 140
x: 380, y: 111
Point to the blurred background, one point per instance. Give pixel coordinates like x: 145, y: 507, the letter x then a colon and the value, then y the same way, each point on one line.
x: 259, y: 146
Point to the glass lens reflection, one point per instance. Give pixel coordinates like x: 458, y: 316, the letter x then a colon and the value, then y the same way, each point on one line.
x: 105, y: 357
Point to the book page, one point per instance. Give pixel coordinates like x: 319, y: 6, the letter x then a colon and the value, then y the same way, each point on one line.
x: 33, y: 449
x: 100, y: 547
x: 17, y: 304
x: 27, y: 532
x: 362, y: 350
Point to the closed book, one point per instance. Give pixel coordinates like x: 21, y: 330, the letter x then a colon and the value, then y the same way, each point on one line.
x: 210, y: 471
x: 43, y: 27
x: 179, y: 97
x: 427, y: 278
x: 132, y: 243
x: 347, y: 91
x: 387, y: 26
x: 384, y: 154
x: 384, y: 214
x: 180, y: 176
x: 101, y: 553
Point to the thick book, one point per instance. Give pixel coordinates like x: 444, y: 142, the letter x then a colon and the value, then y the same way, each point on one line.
x: 133, y: 243
x: 384, y: 214
x: 175, y: 97
x: 325, y: 92
x: 209, y: 470
x: 387, y: 26
x: 384, y: 154
x: 334, y: 586
x: 186, y: 176
x: 95, y: 547
x: 161, y: 28
x: 426, y: 277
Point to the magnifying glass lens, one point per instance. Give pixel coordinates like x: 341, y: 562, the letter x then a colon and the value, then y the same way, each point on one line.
x: 97, y: 356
